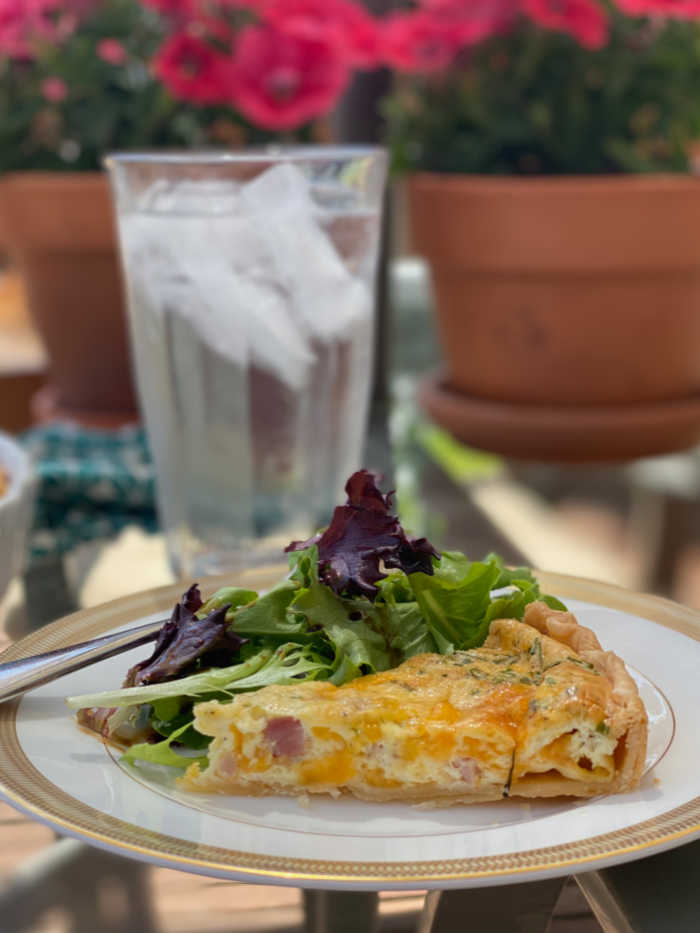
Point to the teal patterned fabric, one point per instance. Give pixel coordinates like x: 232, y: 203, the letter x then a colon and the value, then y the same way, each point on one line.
x: 91, y: 485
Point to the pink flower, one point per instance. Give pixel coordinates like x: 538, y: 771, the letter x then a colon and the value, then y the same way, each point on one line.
x: 22, y: 23
x: 191, y: 9
x: 343, y: 22
x: 680, y: 9
x: 281, y: 80
x: 54, y: 89
x: 474, y: 20
x: 111, y: 51
x: 585, y: 20
x: 178, y: 9
x: 192, y: 69
x: 419, y: 42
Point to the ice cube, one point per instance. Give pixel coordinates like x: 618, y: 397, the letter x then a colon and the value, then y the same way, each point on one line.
x: 258, y: 276
x: 285, y: 222
x: 162, y: 276
x: 182, y: 265
x: 281, y: 186
x: 243, y: 302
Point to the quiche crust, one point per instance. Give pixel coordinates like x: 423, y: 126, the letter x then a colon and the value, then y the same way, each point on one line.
x: 540, y: 710
x: 625, y: 712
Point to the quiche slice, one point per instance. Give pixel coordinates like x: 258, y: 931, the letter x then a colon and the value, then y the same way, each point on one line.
x: 540, y: 710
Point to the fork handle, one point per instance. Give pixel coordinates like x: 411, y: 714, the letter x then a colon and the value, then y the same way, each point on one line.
x: 16, y: 677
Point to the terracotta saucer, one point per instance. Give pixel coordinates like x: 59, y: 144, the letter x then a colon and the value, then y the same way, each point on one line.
x: 573, y: 433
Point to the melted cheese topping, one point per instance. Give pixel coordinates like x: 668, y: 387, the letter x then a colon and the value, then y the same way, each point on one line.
x: 468, y: 726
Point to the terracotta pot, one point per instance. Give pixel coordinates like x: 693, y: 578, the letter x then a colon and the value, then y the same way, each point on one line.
x: 59, y: 230
x: 564, y: 291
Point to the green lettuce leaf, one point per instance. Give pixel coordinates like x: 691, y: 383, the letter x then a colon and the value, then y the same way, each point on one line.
x: 398, y: 617
x: 170, y: 714
x: 552, y: 601
x: 303, y: 566
x: 395, y: 589
x: 231, y: 596
x: 214, y: 680
x: 289, y: 664
x: 512, y: 605
x: 269, y: 616
x: 455, y: 599
x: 463, y: 597
x: 405, y: 631
x: 357, y: 647
x: 166, y: 709
x: 160, y: 753
x: 509, y: 575
x: 285, y: 664
x: 525, y: 579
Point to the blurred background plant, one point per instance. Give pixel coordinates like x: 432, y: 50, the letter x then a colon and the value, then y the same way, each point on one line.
x: 553, y: 87
x: 485, y: 86
x: 81, y: 77
x: 75, y: 80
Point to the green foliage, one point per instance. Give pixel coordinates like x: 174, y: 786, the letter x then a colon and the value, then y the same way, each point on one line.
x: 536, y: 102
x: 107, y: 106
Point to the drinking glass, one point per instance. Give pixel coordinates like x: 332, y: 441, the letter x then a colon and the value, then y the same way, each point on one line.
x: 251, y: 293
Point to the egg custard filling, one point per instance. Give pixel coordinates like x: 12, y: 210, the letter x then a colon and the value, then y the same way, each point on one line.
x: 539, y: 710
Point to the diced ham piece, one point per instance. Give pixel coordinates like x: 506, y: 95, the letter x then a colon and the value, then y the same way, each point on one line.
x: 469, y: 770
x: 286, y: 735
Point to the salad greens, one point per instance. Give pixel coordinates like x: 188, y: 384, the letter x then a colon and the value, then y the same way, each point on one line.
x: 359, y: 598
x: 187, y: 639
x: 363, y: 536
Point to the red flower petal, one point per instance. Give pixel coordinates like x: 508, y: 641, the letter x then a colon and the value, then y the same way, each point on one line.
x: 281, y: 80
x: 585, y: 20
x: 474, y: 20
x: 192, y: 69
x: 111, y: 51
x: 419, y: 42
x: 342, y: 22
x: 54, y: 89
x: 178, y: 9
x: 24, y: 22
x: 679, y: 9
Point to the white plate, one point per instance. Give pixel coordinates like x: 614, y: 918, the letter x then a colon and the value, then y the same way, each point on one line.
x: 65, y: 777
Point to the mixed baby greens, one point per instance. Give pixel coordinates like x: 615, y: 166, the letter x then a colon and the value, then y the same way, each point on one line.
x: 360, y: 597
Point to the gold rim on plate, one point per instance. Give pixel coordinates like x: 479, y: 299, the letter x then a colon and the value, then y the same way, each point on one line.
x: 22, y: 785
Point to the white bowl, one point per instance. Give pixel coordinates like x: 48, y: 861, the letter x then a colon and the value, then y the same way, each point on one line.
x: 16, y: 508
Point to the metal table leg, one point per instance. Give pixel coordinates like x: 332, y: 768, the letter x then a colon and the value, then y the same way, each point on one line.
x: 340, y: 911
x: 659, y: 894
x: 519, y: 908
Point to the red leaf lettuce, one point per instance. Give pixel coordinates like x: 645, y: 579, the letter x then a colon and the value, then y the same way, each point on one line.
x: 362, y: 538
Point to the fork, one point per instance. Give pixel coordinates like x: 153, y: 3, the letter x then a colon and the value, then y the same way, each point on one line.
x: 16, y: 677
